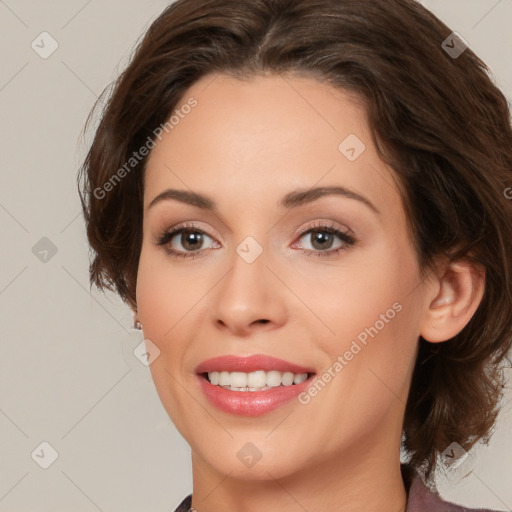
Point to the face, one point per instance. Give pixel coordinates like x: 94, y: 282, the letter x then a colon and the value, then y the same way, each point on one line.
x: 328, y: 282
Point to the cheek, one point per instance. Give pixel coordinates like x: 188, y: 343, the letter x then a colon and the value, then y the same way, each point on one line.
x: 370, y: 312
x: 151, y: 299
x: 160, y: 306
x: 164, y: 293
x: 368, y: 295
x: 369, y: 360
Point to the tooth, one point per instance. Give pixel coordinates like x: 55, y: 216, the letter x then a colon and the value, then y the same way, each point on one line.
x: 300, y: 377
x: 254, y: 381
x: 273, y: 378
x: 224, y: 379
x: 257, y: 379
x: 287, y: 379
x: 238, y: 379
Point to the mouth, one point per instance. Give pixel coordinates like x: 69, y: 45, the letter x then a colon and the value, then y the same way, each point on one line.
x: 251, y: 385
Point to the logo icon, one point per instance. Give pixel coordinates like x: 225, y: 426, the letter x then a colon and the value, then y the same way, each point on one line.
x: 44, y: 250
x: 352, y: 147
x: 454, y: 455
x: 44, y: 45
x: 44, y: 455
x: 249, y: 249
x: 249, y: 455
x: 146, y: 352
x: 455, y: 45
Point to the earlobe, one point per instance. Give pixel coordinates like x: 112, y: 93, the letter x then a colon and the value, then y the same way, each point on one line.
x: 136, y: 322
x: 459, y: 294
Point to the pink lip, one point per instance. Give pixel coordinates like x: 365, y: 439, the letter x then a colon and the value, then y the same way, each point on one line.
x: 250, y: 403
x: 252, y: 363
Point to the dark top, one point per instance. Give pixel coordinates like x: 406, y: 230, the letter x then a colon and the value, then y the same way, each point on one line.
x: 419, y: 497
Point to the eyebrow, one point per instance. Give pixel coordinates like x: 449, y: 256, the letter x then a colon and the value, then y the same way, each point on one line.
x: 291, y: 200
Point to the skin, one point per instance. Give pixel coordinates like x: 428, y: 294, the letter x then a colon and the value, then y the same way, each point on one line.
x: 246, y: 144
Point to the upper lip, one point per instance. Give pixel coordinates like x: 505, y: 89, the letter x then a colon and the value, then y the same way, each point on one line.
x: 232, y: 363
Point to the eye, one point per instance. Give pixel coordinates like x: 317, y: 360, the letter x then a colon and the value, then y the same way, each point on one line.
x: 191, y: 240
x: 322, y: 241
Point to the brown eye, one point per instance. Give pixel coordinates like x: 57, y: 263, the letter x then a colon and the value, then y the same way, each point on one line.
x: 184, y: 241
x: 322, y: 238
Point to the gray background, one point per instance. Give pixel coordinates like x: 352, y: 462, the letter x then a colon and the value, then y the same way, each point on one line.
x: 67, y: 372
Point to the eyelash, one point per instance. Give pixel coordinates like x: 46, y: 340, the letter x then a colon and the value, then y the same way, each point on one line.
x: 167, y: 236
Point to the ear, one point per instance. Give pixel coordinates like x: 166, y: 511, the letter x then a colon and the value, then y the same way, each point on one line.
x: 458, y: 293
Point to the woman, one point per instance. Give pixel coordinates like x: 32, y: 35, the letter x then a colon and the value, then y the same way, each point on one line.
x: 304, y: 204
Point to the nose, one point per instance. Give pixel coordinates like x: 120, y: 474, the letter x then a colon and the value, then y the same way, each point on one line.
x: 249, y: 298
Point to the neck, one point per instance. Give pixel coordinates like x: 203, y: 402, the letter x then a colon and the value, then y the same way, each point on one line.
x: 354, y: 480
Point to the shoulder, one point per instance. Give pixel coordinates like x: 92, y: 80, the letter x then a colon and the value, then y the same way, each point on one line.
x: 185, y: 504
x: 422, y: 499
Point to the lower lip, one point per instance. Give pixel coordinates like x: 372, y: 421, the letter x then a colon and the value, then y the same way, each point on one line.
x: 251, y: 403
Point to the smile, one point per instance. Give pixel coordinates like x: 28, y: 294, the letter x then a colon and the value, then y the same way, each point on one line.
x: 251, y: 385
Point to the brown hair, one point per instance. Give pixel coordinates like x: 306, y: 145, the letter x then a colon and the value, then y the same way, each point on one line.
x: 437, y: 119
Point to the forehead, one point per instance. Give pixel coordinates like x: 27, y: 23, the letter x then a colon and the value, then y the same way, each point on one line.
x: 255, y: 140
